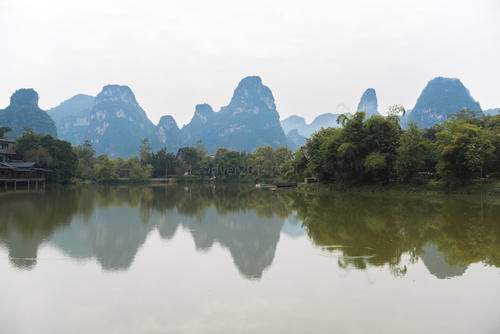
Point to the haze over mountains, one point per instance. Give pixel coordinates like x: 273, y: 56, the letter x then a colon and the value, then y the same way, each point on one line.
x: 115, y: 124
x: 249, y: 120
x: 368, y: 103
x: 440, y: 98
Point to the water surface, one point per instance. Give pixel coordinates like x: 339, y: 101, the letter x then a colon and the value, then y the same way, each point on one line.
x: 230, y: 259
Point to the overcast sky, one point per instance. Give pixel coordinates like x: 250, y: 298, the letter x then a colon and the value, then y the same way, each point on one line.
x: 314, y: 55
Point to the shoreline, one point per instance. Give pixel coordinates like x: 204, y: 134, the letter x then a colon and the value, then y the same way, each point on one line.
x: 433, y: 188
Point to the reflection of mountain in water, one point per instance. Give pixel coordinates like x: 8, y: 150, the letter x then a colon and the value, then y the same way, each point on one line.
x: 112, y: 223
x: 111, y: 235
x: 251, y: 240
x: 120, y: 219
x: 293, y: 226
x: 435, y: 261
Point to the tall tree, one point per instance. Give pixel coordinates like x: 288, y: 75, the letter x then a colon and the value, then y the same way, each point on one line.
x: 190, y: 158
x: 86, y: 160
x: 414, y: 153
x: 465, y: 151
x: 145, y: 151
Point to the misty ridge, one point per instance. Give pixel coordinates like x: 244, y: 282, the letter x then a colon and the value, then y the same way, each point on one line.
x: 115, y: 123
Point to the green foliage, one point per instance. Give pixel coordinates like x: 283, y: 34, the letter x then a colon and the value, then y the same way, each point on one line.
x: 280, y: 157
x: 55, y: 154
x: 39, y: 155
x: 190, y: 159
x: 65, y: 160
x: 322, y: 154
x: 102, y: 168
x: 492, y: 126
x: 225, y: 162
x: 414, y: 154
x: 105, y: 169
x: 138, y: 170
x: 200, y: 149
x: 376, y: 165
x: 86, y: 160
x: 145, y: 151
x: 342, y: 119
x: 264, y: 162
x: 359, y: 152
x: 464, y: 147
x: 363, y: 151
x: 295, y: 168
x: 465, y: 151
x: 3, y: 131
x: 163, y: 163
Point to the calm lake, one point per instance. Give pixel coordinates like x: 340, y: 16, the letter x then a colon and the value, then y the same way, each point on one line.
x: 234, y: 259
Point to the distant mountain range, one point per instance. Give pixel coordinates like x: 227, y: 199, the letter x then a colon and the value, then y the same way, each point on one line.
x: 249, y: 120
x: 298, y: 123
x: 115, y: 123
x: 440, y: 98
x: 368, y: 103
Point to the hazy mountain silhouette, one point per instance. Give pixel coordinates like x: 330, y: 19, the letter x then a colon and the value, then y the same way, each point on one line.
x: 72, y: 118
x: 248, y: 121
x: 298, y: 123
x: 439, y: 99
x: 369, y: 103
x: 23, y: 112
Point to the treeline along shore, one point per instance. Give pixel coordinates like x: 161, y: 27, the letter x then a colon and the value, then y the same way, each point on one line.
x: 364, y: 151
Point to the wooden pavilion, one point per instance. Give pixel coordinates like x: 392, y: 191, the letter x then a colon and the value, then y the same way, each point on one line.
x: 16, y: 171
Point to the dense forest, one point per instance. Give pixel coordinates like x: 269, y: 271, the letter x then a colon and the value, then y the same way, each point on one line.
x: 376, y: 150
x: 464, y: 147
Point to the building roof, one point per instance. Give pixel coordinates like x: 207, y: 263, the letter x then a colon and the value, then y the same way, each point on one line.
x: 22, y: 166
x: 7, y: 141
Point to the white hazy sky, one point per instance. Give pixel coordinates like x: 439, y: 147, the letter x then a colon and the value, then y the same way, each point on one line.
x: 314, y: 55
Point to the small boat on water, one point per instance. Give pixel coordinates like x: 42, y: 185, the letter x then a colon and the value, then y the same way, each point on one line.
x: 277, y: 185
x: 285, y: 184
x: 263, y: 185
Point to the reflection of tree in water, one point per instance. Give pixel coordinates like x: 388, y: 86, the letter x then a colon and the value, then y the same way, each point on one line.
x: 362, y: 227
x: 378, y: 231
x: 28, y: 219
x: 111, y: 223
